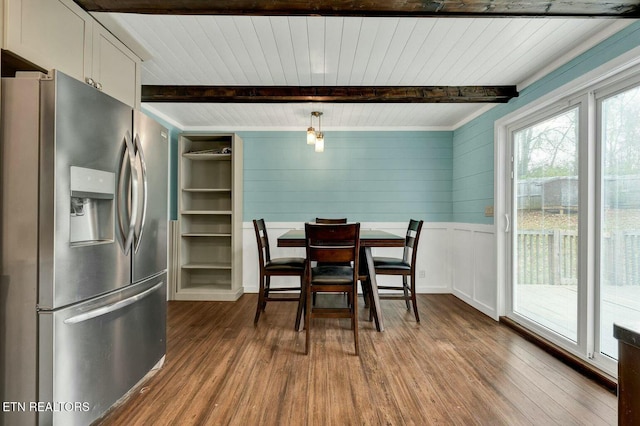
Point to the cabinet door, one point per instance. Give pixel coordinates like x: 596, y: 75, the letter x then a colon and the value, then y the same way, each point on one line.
x: 50, y: 33
x: 115, y: 67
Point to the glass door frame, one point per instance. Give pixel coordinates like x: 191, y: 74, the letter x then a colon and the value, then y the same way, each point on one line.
x: 616, y: 76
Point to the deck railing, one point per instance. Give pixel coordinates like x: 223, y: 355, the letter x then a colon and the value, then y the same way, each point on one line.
x: 551, y: 257
x: 621, y: 258
x: 547, y: 257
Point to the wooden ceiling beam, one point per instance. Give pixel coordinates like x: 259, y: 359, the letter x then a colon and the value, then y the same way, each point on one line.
x: 407, y: 8
x: 336, y: 94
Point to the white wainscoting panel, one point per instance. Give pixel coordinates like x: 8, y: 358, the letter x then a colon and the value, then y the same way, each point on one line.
x: 474, y: 271
x: 434, y: 259
x: 462, y: 249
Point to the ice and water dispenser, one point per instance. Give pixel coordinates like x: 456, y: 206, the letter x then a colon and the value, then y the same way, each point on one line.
x: 92, y: 212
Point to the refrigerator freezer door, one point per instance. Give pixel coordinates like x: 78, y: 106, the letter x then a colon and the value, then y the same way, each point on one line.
x: 94, y: 352
x: 150, y: 243
x: 81, y: 250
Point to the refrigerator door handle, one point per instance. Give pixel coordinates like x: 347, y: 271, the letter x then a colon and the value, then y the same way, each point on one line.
x: 126, y: 198
x: 104, y: 310
x: 121, y: 192
x: 143, y: 166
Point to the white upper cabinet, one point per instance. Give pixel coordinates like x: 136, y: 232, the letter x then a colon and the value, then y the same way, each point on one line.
x: 115, y: 67
x: 51, y: 34
x: 59, y: 34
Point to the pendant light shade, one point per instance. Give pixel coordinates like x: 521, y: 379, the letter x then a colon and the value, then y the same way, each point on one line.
x: 320, y: 142
x: 311, y: 136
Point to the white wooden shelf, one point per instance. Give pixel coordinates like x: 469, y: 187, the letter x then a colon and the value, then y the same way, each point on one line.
x: 206, y: 190
x: 205, y: 234
x: 208, y: 157
x: 211, y: 212
x: 207, y: 266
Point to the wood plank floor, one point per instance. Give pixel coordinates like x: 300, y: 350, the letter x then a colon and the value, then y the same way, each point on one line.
x: 457, y: 367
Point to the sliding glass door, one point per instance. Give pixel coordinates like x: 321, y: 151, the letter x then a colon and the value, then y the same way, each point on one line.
x: 619, y: 259
x: 572, y: 238
x: 546, y: 223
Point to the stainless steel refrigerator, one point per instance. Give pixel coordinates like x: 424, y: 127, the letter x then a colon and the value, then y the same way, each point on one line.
x: 84, y: 249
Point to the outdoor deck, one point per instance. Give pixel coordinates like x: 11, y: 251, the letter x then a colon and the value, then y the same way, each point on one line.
x: 557, y: 304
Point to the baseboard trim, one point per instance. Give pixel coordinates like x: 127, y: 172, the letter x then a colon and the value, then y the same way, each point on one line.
x: 568, y: 358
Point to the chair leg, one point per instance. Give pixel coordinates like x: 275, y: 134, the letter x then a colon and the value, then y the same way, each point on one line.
x: 261, y: 301
x: 365, y: 293
x: 413, y: 297
x: 266, y: 292
x: 371, y: 309
x: 368, y: 294
x: 307, y: 318
x: 301, y: 303
x: 354, y: 318
x: 405, y: 288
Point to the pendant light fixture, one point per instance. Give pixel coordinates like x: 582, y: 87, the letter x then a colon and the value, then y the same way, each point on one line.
x: 314, y: 137
x: 311, y: 132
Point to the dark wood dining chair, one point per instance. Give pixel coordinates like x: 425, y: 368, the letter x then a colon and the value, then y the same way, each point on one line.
x: 280, y: 266
x: 329, y: 249
x: 405, y: 267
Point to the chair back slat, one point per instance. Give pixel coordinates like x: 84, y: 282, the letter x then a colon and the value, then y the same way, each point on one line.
x: 331, y: 221
x: 411, y: 241
x: 332, y: 254
x: 262, y: 238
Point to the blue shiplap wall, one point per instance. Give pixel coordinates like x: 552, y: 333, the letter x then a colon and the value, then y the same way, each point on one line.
x: 365, y: 176
x: 472, y: 182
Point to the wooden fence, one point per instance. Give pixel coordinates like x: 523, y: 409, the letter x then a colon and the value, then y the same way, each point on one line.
x: 551, y: 257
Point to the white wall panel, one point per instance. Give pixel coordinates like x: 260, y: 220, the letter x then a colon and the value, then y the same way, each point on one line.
x: 462, y: 256
x: 485, y: 284
x: 474, y: 266
x: 435, y: 259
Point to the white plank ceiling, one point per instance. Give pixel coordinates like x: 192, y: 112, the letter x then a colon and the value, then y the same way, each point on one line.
x: 317, y: 51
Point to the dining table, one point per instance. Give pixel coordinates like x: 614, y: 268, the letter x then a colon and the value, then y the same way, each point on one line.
x: 369, y: 238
